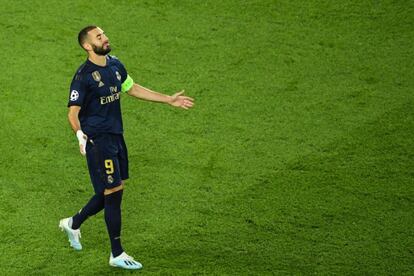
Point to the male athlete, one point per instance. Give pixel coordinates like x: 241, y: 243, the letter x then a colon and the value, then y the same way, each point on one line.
x: 95, y: 117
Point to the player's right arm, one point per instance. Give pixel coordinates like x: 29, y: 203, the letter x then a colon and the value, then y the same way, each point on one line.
x: 76, y: 98
x: 73, y: 117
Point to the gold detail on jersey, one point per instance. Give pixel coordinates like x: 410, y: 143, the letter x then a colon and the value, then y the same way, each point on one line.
x: 110, y: 99
x: 113, y: 89
x: 96, y: 76
x: 109, y: 165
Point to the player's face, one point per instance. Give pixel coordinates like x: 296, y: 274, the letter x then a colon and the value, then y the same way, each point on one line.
x: 99, y: 42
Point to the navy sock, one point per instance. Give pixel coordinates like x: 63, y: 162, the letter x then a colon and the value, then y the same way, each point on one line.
x: 113, y: 221
x: 95, y: 204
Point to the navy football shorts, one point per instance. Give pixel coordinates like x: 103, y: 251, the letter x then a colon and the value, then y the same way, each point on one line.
x: 107, y: 159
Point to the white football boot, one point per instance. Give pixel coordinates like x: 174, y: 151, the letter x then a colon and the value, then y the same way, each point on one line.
x: 73, y: 235
x: 124, y: 261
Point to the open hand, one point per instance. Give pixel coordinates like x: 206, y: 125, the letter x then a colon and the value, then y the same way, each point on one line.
x: 178, y: 100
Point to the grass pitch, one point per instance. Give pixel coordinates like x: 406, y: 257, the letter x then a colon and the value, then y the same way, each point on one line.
x: 297, y: 158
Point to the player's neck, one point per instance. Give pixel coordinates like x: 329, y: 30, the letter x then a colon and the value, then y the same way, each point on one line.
x: 97, y: 59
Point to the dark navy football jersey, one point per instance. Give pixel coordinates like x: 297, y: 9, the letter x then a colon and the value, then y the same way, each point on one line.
x: 97, y: 90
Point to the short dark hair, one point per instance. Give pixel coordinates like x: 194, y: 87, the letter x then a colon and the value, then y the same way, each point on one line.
x: 84, y: 33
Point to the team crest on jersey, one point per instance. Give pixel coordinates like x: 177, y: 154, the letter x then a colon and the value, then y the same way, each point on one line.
x: 97, y: 77
x: 118, y: 76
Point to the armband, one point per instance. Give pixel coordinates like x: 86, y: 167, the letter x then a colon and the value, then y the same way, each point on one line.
x: 127, y: 84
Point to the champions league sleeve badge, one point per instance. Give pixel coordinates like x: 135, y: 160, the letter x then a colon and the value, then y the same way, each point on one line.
x: 97, y: 77
x: 118, y: 76
x: 74, y: 95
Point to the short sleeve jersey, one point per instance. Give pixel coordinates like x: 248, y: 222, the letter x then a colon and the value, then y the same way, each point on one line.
x: 97, y: 90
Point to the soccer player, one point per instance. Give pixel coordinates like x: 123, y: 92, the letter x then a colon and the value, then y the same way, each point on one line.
x: 95, y: 116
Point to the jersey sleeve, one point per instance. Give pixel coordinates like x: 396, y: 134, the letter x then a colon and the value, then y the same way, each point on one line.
x: 77, y: 91
x: 126, y: 80
x: 122, y: 71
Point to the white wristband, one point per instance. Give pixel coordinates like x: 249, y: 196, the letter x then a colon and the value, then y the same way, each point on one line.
x: 82, y: 138
x: 80, y: 135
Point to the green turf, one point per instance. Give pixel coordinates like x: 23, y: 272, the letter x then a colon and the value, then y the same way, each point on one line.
x: 297, y: 158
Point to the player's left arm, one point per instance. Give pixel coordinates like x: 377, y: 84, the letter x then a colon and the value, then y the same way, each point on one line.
x: 177, y: 100
x: 143, y: 93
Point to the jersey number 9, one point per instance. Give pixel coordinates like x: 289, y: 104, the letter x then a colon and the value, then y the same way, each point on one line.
x: 109, y: 165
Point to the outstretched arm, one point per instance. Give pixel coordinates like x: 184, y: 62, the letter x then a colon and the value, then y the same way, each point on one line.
x: 176, y: 100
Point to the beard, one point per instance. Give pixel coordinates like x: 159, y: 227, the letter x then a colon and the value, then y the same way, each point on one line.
x: 100, y: 51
